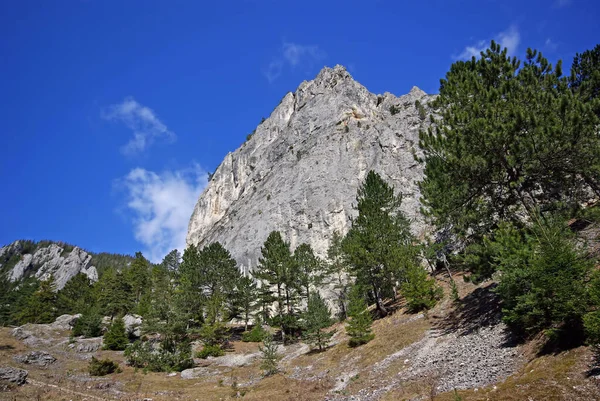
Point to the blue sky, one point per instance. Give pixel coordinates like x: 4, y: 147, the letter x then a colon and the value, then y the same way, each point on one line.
x: 113, y: 111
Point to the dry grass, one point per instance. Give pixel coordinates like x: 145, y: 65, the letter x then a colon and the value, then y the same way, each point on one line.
x: 307, y: 377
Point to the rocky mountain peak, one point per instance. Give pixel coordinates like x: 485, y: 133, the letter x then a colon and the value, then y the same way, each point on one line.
x: 299, y: 171
x: 42, y: 260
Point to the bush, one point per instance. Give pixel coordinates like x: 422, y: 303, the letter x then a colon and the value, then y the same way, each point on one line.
x: 210, y: 350
x: 164, y: 358
x: 116, y: 338
x: 103, y: 367
x: 256, y: 335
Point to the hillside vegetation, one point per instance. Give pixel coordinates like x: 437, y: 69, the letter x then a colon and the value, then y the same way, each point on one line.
x: 507, y: 308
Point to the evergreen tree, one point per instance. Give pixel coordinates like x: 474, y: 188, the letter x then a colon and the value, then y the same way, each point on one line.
x: 420, y: 291
x: 190, y: 295
x: 76, y: 296
x: 316, y: 319
x: 172, y: 261
x: 218, y: 270
x: 512, y: 139
x: 585, y: 76
x: 543, y: 277
x: 115, y: 337
x: 246, y: 295
x: 591, y: 320
x: 138, y: 276
x: 89, y: 324
x: 358, y: 326
x: 336, y: 270
x: 310, y: 269
x: 270, y: 357
x: 16, y: 300
x: 378, y: 247
x: 40, y: 307
x: 114, y: 293
x: 277, y: 269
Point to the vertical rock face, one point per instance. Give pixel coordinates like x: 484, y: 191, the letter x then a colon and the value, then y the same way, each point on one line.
x: 300, y: 170
x: 48, y: 260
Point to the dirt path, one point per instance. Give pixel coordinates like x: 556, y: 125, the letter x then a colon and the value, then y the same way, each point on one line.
x: 66, y: 390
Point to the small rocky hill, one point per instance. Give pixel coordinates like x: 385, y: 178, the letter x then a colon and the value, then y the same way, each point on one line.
x: 43, y: 259
x: 299, y: 171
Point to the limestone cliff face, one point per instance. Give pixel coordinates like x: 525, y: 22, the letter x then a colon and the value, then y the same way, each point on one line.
x: 300, y: 170
x: 45, y: 261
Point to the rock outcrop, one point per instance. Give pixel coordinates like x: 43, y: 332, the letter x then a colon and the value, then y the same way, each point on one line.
x: 39, y: 358
x: 61, y: 262
x: 13, y: 375
x: 299, y: 171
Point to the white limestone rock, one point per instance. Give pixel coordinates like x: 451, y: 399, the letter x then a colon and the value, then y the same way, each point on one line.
x: 300, y: 171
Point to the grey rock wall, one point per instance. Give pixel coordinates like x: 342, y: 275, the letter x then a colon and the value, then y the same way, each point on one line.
x: 300, y: 170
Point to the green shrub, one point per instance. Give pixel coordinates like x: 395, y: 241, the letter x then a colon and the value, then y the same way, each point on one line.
x: 420, y: 291
x: 270, y: 357
x: 394, y: 109
x: 543, y: 278
x: 359, y: 324
x: 210, y: 350
x: 116, y: 338
x: 166, y: 357
x: 103, y: 367
x: 256, y: 335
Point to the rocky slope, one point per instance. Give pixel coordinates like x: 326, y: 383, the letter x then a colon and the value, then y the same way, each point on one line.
x: 24, y: 258
x: 299, y: 171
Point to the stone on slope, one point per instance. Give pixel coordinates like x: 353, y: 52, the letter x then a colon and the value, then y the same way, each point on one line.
x: 13, y: 375
x: 39, y: 358
x: 300, y: 170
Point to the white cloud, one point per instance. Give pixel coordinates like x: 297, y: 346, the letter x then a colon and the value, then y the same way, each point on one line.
x: 550, y: 45
x: 142, y: 121
x: 510, y: 38
x: 292, y: 55
x: 161, y: 206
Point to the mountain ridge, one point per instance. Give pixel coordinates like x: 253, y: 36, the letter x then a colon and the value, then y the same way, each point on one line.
x: 299, y: 171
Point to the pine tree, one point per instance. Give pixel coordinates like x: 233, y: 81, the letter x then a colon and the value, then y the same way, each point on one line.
x: 190, y: 295
x: 89, y: 323
x: 138, y: 276
x: 270, y: 357
x: 585, y: 76
x: 379, y: 244
x: 277, y: 269
x: 310, y: 269
x: 337, y: 271
x: 40, y: 307
x: 358, y: 326
x: 316, y: 319
x: 114, y: 293
x: 420, y: 291
x: 512, y: 139
x: 115, y: 337
x: 246, y: 299
x: 76, y: 296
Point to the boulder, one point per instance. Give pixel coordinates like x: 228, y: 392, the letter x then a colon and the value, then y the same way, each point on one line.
x: 195, y: 373
x: 133, y: 324
x: 13, y: 375
x: 39, y: 358
x: 65, y: 322
x: 87, y: 345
